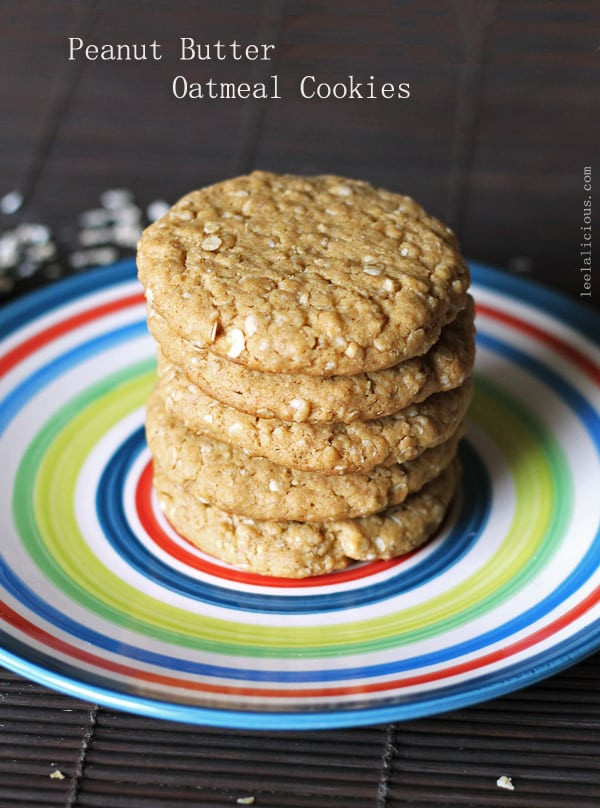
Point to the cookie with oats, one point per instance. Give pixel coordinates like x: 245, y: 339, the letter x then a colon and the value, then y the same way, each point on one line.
x: 330, y: 448
x: 315, y: 275
x: 224, y: 476
x: 296, y: 397
x: 300, y: 549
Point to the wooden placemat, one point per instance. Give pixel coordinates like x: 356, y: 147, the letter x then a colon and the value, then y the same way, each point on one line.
x: 55, y: 750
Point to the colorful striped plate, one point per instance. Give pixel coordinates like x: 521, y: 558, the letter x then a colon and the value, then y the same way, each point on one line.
x: 101, y: 599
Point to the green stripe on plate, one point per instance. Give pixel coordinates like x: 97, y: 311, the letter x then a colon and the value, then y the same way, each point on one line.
x: 44, y: 512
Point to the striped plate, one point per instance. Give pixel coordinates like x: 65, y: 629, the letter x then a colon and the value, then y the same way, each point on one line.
x: 100, y: 598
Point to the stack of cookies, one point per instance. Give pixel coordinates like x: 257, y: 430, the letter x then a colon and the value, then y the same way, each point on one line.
x: 315, y: 343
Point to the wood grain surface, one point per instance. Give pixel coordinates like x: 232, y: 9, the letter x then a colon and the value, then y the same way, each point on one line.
x: 503, y: 114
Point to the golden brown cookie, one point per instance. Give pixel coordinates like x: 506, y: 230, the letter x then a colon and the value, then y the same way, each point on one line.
x: 314, y: 275
x: 296, y: 397
x: 297, y: 549
x: 331, y: 448
x: 221, y: 475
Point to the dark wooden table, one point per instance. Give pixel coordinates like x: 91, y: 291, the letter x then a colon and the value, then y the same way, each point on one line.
x: 496, y: 137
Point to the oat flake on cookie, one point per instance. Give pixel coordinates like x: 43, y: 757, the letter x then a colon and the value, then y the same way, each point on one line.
x: 315, y: 275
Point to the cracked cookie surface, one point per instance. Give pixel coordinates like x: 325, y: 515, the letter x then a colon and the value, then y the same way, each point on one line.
x: 297, y: 549
x: 297, y: 397
x: 217, y: 473
x: 315, y: 275
x: 331, y: 448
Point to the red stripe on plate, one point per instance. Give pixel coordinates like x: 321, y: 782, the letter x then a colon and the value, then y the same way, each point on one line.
x: 145, y: 511
x: 37, y: 341
x: 583, y: 362
x: 38, y: 634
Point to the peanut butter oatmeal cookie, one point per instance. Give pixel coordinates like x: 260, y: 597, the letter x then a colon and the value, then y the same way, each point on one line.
x: 331, y: 448
x: 222, y: 475
x: 300, y: 549
x: 296, y: 397
x: 315, y: 275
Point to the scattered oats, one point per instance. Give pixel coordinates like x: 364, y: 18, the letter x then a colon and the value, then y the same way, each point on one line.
x: 303, y: 298
x: 271, y: 243
x: 351, y: 350
x: 95, y: 236
x: 340, y: 342
x: 185, y: 295
x: 103, y: 256
x: 369, y: 259
x: 324, y: 242
x: 11, y: 202
x: 388, y: 285
x: 157, y: 209
x: 457, y: 286
x: 213, y: 331
x: 247, y: 207
x: 211, y: 227
x: 379, y: 344
x: 184, y: 215
x: 9, y: 250
x: 33, y: 233
x: 404, y: 251
x: 235, y: 428
x: 129, y: 215
x: 245, y: 800
x: 207, y: 418
x: 211, y: 243
x: 88, y: 258
x: 353, y: 415
x: 57, y: 775
x: 236, y: 342
x: 372, y: 270
x: 251, y: 324
x: 341, y: 190
x: 115, y: 198
x: 505, y: 782
x: 240, y: 193
x: 444, y: 379
x: 273, y: 486
x: 380, y: 544
x: 127, y: 235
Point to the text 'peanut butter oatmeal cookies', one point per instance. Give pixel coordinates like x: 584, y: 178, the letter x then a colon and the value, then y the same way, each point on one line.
x: 330, y: 448
x: 297, y: 397
x: 300, y: 549
x: 222, y: 475
x: 314, y: 275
